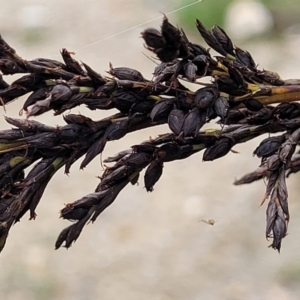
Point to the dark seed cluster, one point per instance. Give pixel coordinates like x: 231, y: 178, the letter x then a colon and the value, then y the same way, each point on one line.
x: 246, y: 102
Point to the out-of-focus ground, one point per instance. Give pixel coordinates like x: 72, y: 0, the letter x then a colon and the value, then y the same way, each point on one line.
x: 146, y: 246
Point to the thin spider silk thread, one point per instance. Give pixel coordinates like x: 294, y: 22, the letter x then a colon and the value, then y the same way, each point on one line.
x: 136, y: 26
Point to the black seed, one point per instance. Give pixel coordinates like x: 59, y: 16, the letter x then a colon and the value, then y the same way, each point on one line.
x: 123, y: 73
x: 205, y: 97
x: 161, y: 109
x: 269, y: 146
x: 153, y: 38
x: 193, y: 121
x: 171, y: 34
x: 190, y: 71
x: 221, y: 107
x: 219, y: 149
x: 152, y: 175
x: 175, y: 120
x: 223, y: 39
x: 245, y: 58
x: 253, y: 104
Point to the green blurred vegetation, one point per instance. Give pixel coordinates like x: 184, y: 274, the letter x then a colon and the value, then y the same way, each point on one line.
x: 209, y: 12
x: 279, y: 5
x: 212, y: 12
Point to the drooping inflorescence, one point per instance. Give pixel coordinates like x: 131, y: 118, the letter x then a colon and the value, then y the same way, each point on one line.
x: 239, y: 97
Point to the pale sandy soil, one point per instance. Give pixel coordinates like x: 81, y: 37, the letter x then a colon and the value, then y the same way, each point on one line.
x: 145, y: 246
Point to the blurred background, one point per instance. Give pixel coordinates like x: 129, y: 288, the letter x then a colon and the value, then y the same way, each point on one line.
x: 153, y: 245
